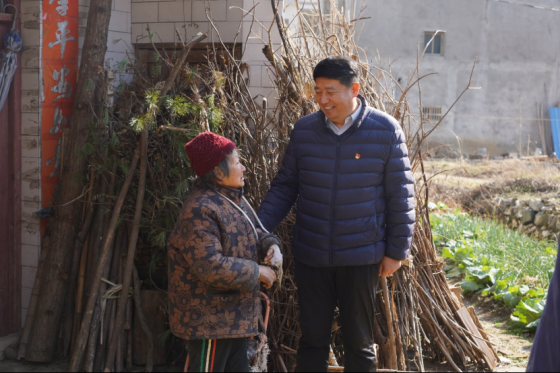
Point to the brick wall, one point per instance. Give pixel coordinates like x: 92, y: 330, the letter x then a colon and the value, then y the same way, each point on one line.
x: 257, y: 36
x: 189, y: 17
x: 119, y: 43
x: 30, y: 153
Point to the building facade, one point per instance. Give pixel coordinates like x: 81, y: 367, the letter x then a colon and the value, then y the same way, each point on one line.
x: 31, y: 123
x: 518, y: 65
x: 517, y: 70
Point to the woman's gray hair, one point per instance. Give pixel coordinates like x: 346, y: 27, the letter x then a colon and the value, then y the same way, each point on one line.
x: 208, y: 180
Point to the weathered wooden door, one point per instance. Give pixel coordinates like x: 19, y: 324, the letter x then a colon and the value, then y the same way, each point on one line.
x: 10, y: 200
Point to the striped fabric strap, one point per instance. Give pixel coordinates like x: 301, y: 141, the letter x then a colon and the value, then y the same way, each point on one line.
x: 255, y: 215
x: 208, y: 353
x: 202, y: 355
x: 213, y: 355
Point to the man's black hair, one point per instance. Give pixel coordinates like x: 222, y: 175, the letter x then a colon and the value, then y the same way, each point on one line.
x: 343, y: 69
x: 208, y: 180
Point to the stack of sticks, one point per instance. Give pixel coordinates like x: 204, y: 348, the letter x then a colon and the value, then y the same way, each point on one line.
x: 139, y: 179
x: 418, y: 315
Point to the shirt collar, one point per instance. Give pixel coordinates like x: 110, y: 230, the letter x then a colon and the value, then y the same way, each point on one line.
x: 357, y: 112
x: 349, y: 120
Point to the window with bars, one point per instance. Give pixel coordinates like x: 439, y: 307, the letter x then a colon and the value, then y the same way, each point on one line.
x: 432, y: 114
x: 436, y: 45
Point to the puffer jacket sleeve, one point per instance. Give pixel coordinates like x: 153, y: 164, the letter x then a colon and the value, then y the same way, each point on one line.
x: 399, y: 191
x: 283, y: 191
x: 198, y: 240
x: 267, y: 240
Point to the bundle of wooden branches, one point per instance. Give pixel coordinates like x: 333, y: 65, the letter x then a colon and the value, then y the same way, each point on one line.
x: 139, y: 178
x: 418, y: 315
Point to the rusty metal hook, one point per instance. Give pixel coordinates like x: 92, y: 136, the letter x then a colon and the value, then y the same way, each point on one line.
x: 15, y: 15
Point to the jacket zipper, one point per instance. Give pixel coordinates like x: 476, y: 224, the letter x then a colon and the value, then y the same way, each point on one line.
x: 333, y: 199
x: 346, y: 135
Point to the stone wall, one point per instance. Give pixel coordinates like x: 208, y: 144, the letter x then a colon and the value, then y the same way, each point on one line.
x: 537, y: 217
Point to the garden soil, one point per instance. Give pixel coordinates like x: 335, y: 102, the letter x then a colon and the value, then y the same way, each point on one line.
x: 513, y: 348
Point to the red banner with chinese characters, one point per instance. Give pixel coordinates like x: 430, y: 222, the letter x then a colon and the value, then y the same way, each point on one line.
x: 60, y: 68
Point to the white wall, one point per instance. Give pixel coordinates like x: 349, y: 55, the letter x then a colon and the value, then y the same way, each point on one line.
x: 119, y: 43
x: 519, y: 60
x: 518, y: 48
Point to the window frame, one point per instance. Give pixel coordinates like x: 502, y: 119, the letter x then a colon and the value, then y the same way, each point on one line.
x: 430, y: 49
x: 432, y: 114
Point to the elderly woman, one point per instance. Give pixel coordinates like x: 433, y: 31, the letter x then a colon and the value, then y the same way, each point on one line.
x: 214, y: 275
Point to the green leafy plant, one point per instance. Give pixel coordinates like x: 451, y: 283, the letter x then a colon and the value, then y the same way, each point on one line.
x: 179, y: 106
x: 498, y: 262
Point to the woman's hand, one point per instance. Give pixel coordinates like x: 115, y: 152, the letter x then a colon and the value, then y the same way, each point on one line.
x: 267, y: 276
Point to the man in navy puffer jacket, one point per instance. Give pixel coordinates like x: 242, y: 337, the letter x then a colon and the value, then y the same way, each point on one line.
x: 347, y: 167
x: 544, y: 353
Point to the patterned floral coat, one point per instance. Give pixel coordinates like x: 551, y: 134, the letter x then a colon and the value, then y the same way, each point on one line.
x: 213, y: 268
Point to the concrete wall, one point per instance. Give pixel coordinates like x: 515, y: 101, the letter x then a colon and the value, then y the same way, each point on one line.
x: 518, y: 48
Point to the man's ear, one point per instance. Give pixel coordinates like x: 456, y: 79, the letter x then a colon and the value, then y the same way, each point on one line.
x: 356, y: 89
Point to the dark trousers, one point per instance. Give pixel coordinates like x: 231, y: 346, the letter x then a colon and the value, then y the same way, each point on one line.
x: 319, y: 291
x: 218, y: 355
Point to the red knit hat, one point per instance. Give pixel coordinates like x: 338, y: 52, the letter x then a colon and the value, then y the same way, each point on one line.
x: 206, y: 151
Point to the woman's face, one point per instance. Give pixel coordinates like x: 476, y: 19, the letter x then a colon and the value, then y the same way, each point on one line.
x: 236, y: 172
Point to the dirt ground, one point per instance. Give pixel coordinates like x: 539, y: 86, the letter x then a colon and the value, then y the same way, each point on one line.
x: 513, y: 348
x: 470, y: 174
x: 480, y: 171
x: 14, y: 366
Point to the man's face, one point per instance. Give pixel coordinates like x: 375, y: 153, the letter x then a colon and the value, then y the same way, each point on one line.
x: 336, y: 100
